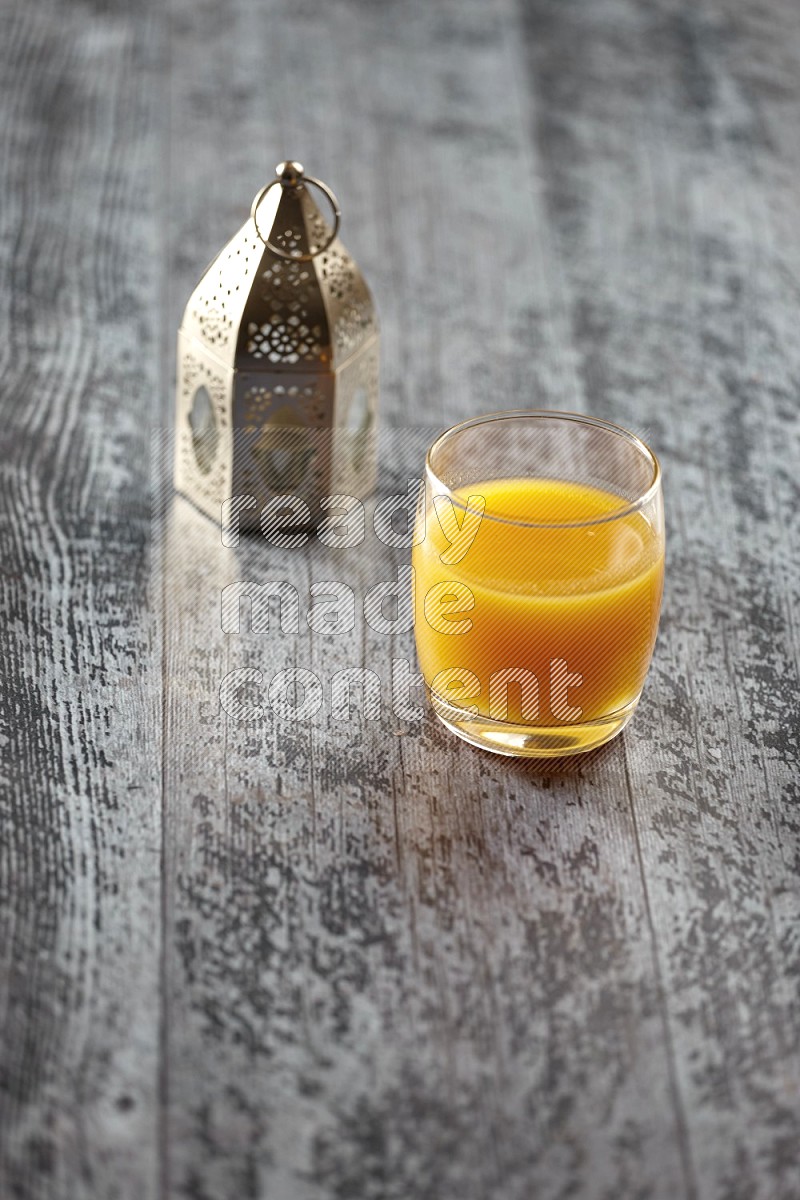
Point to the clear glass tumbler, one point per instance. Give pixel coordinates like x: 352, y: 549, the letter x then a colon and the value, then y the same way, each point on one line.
x: 538, y: 570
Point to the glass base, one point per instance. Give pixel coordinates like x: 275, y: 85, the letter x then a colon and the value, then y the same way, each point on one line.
x: 531, y: 741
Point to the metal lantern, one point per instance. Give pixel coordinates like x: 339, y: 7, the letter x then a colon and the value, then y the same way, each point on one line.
x: 278, y: 365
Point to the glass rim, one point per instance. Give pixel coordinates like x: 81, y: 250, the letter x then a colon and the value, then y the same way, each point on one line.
x: 554, y: 414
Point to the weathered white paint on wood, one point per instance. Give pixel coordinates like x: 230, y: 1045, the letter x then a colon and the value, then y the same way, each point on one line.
x: 294, y: 961
x: 80, y: 807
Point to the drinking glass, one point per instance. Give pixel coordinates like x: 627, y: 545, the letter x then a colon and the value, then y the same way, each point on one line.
x: 538, y: 567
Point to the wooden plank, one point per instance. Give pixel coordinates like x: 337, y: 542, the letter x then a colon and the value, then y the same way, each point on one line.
x: 680, y: 290
x: 80, y: 798
x: 407, y: 968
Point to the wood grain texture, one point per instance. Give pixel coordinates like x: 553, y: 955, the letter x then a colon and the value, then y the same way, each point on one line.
x: 310, y: 960
x: 80, y: 698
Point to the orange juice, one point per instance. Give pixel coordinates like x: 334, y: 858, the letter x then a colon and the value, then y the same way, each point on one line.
x: 547, y: 622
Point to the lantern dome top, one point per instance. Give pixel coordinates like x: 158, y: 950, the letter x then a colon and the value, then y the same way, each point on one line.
x: 290, y: 172
x: 284, y: 294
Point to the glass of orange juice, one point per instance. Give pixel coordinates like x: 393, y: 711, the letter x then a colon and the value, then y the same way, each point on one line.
x: 538, y: 567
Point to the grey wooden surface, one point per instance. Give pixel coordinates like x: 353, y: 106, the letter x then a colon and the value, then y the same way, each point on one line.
x: 295, y: 961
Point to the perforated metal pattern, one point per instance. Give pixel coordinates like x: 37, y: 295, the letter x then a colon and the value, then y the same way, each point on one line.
x: 351, y: 312
x: 214, y: 311
x: 283, y: 432
x: 283, y: 338
x: 202, y: 463
x: 286, y: 322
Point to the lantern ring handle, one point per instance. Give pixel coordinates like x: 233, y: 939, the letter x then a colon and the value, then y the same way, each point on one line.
x: 337, y: 216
